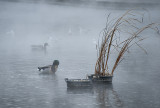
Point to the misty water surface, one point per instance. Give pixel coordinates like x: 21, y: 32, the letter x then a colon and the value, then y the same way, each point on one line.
x: 72, y: 34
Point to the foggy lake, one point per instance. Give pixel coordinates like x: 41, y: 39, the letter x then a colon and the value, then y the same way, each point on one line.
x: 72, y: 33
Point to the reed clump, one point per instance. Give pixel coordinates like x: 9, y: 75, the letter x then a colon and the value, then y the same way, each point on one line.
x: 130, y: 23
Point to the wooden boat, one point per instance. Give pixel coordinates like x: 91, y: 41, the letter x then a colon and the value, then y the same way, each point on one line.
x: 71, y: 83
x: 100, y: 79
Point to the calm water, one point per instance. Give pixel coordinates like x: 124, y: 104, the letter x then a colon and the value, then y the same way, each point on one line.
x: 71, y: 33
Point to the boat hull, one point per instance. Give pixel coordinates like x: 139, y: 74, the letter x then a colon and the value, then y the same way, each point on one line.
x: 74, y: 83
x: 100, y: 79
x: 84, y: 83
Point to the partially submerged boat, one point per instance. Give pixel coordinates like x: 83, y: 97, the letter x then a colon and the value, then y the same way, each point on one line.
x: 92, y: 79
x: 73, y: 83
x: 100, y: 79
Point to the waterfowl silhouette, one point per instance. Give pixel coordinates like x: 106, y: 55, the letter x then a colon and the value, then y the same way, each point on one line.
x: 39, y: 47
x: 51, y: 68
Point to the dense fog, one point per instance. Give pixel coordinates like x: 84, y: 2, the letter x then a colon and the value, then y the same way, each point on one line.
x: 72, y: 29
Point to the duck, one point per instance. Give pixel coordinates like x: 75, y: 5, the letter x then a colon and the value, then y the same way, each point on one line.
x: 50, y: 68
x: 40, y: 47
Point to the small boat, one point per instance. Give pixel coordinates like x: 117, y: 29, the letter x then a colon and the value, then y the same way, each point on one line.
x: 73, y: 83
x: 100, y: 79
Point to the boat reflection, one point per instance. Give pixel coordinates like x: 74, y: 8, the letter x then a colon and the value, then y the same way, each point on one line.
x: 81, y: 90
x: 105, y: 95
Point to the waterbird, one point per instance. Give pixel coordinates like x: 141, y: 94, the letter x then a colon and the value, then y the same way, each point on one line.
x: 51, y: 68
x: 39, y: 47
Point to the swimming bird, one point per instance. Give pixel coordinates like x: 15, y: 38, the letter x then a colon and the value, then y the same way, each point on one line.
x: 52, y: 68
x: 40, y: 47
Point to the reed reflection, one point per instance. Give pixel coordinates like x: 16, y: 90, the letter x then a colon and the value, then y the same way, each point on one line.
x: 106, y: 96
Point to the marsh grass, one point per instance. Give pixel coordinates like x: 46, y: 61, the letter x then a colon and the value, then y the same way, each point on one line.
x: 132, y: 24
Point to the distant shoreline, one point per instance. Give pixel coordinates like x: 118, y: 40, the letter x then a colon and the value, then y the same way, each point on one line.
x: 87, y: 3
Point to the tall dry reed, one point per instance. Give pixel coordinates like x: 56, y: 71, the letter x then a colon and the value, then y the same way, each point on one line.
x: 131, y: 23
